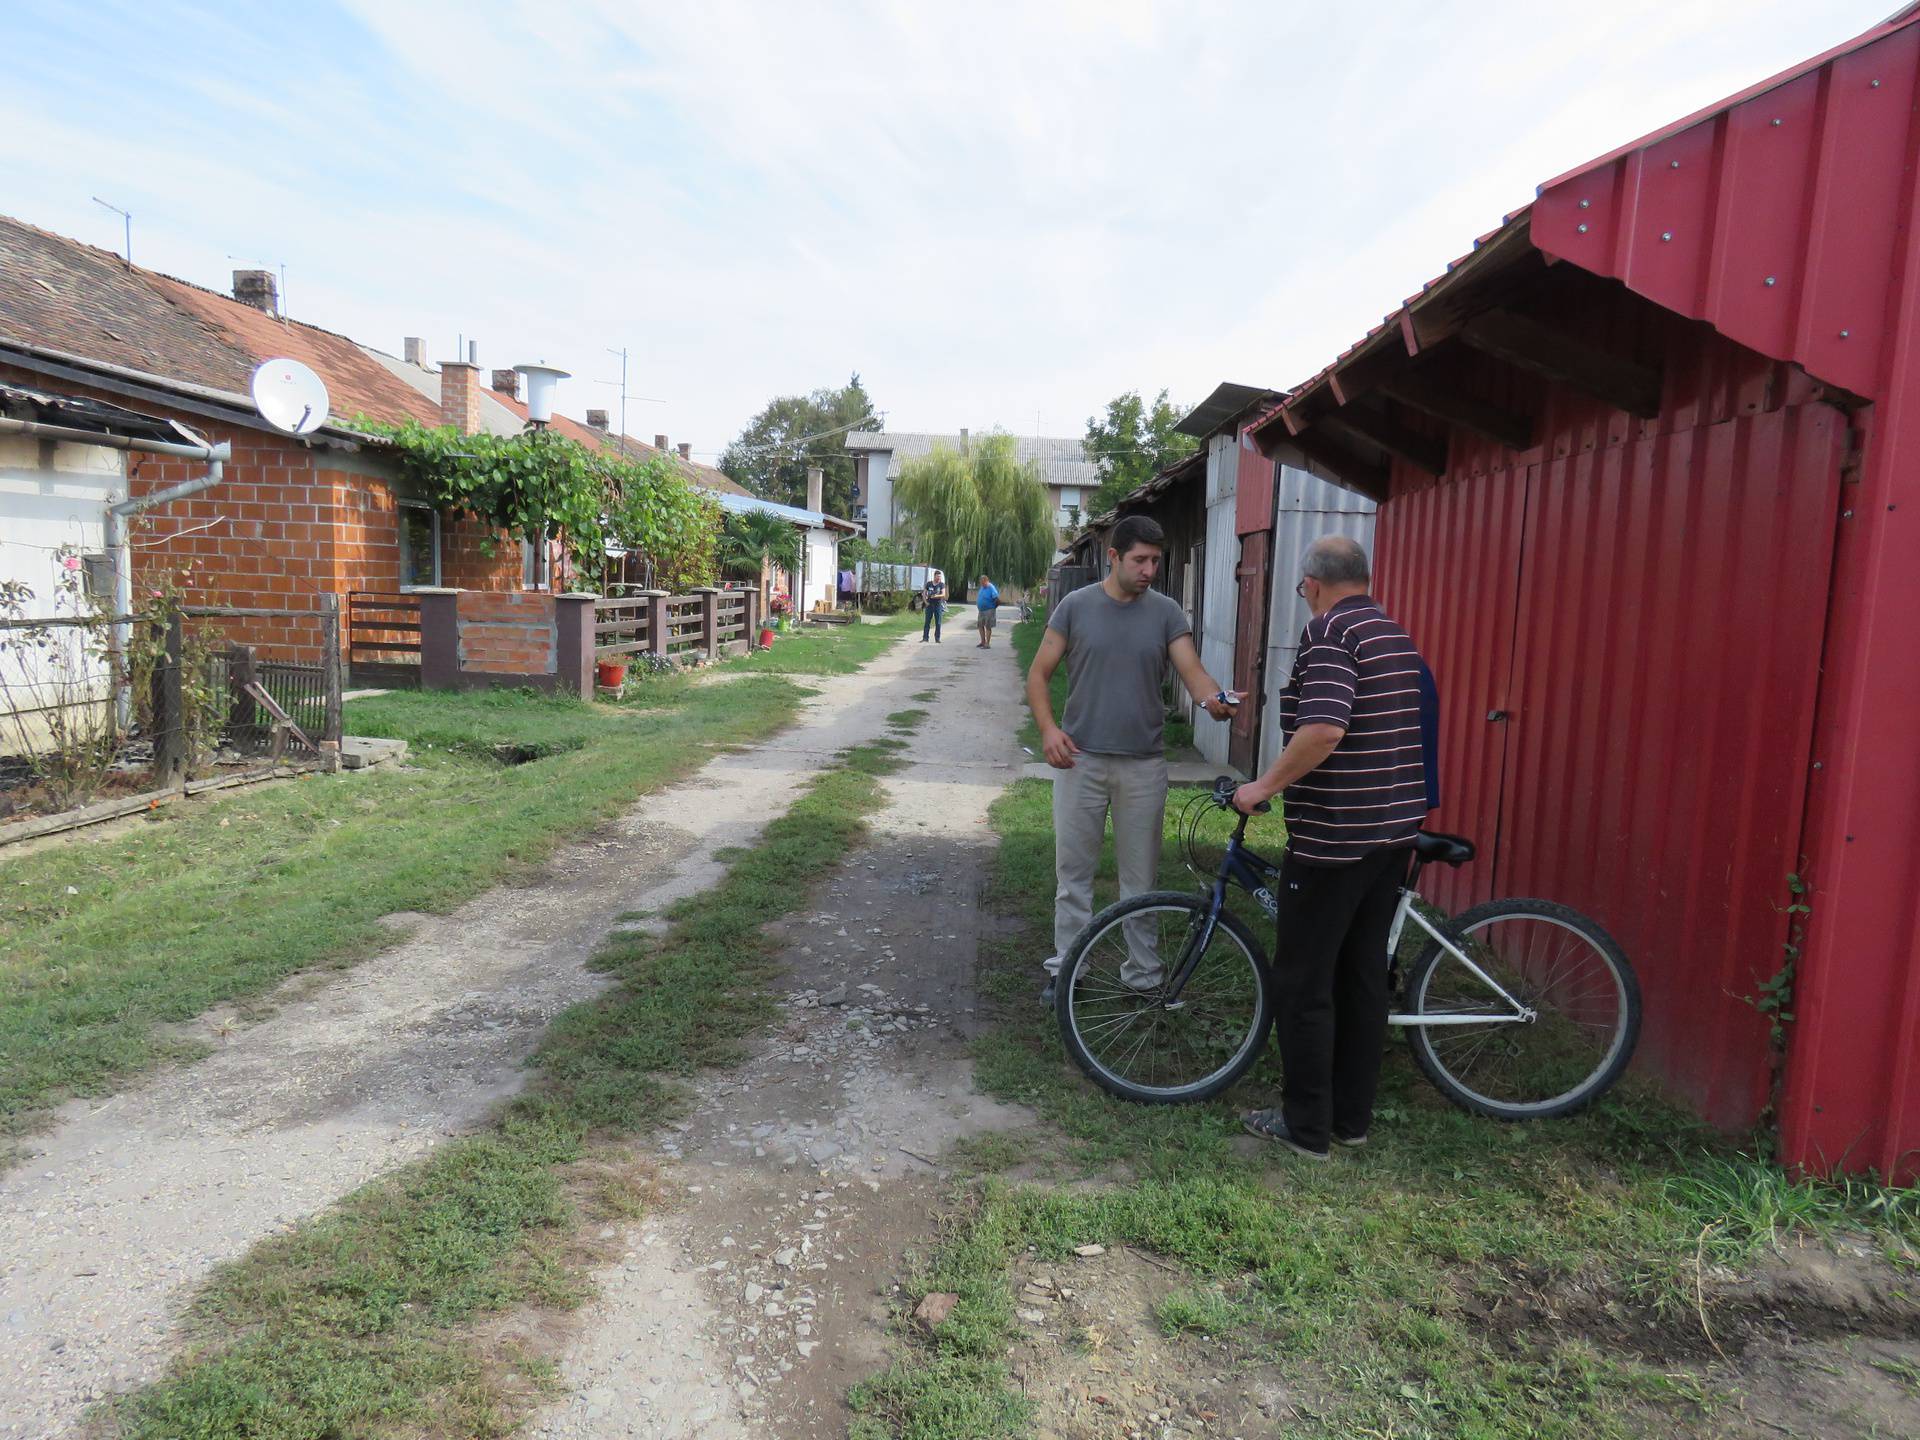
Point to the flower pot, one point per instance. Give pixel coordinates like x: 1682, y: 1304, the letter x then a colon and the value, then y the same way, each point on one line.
x: 610, y: 673
x: 766, y: 636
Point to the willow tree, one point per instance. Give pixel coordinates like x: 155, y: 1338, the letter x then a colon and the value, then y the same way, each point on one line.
x: 982, y: 512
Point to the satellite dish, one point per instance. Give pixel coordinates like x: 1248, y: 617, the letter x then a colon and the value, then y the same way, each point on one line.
x: 290, y: 397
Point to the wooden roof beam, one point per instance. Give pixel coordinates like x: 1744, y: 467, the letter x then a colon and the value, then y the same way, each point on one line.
x: 1350, y: 468
x: 1539, y: 349
x: 1444, y: 401
x: 1424, y: 452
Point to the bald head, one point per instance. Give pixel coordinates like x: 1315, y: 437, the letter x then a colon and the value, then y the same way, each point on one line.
x: 1335, y: 560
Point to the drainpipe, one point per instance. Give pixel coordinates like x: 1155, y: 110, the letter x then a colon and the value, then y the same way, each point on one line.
x: 216, y: 457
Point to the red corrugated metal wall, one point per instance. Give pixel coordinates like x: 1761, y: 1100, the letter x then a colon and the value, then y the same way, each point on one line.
x: 1621, y: 591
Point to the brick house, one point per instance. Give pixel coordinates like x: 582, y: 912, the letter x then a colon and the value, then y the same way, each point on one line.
x: 296, y: 518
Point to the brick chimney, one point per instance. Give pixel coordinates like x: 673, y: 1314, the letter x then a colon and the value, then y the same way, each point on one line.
x: 460, y: 396
x: 597, y: 420
x: 660, y: 442
x: 507, y: 382
x: 686, y: 450
x: 816, y: 488
x: 256, y: 288
x: 415, y: 350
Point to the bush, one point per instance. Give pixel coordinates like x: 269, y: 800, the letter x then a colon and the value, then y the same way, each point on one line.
x: 884, y: 602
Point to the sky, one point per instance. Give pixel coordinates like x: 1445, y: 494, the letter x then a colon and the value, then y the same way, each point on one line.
x: 996, y: 214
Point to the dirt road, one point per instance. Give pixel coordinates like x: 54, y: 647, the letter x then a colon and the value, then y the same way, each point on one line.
x: 109, y: 1226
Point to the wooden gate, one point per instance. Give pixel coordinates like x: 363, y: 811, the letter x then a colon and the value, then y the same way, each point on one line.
x: 1249, y: 651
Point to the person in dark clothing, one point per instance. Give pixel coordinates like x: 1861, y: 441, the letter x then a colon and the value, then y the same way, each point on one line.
x: 934, y: 598
x: 1356, y: 787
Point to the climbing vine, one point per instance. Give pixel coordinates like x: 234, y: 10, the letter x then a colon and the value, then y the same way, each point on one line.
x: 542, y: 483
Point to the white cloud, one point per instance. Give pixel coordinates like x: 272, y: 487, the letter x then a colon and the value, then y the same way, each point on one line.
x: 987, y: 210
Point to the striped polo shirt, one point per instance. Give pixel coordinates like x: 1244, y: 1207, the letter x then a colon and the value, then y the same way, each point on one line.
x: 1358, y: 670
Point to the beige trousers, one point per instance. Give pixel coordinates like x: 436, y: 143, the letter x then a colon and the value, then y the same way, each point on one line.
x: 1134, y: 788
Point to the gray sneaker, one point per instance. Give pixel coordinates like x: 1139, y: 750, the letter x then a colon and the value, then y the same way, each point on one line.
x: 1272, y: 1125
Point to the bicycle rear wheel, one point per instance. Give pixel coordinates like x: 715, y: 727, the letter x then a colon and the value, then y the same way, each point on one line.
x: 1115, y: 1017
x: 1563, y: 968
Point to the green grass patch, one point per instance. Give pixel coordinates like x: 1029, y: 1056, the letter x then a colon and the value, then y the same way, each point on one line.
x: 1369, y: 1279
x: 360, y: 1322
x: 212, y: 903
x: 825, y: 649
x: 1027, y: 635
x: 925, y: 697
x: 906, y: 719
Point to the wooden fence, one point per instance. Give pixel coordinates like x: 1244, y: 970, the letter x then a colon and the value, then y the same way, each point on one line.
x: 708, y: 623
x: 383, y: 638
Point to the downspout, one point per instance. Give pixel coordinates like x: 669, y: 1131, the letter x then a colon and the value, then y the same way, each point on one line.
x: 118, y: 545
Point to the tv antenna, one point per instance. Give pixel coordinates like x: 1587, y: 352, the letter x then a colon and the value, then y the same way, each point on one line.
x: 624, y: 397
x: 290, y: 397
x: 129, y: 226
x: 281, y: 266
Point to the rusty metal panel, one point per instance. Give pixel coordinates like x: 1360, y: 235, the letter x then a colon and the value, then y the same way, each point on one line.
x: 1777, y: 218
x: 1447, y: 568
x: 1296, y: 527
x: 1253, y: 487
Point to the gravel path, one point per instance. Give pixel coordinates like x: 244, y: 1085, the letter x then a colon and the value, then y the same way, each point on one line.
x: 801, y: 1179
x: 113, y: 1219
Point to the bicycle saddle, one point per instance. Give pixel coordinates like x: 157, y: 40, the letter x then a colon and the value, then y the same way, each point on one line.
x: 1445, y: 849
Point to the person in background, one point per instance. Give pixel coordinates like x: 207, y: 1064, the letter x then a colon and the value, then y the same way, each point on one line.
x: 987, y: 601
x: 1355, y: 715
x: 934, y: 599
x: 1118, y: 639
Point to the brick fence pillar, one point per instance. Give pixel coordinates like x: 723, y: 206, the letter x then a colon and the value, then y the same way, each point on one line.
x: 573, y: 619
x: 439, y: 639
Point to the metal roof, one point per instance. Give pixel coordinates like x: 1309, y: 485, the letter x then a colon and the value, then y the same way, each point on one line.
x: 1226, y: 404
x: 753, y: 504
x: 80, y: 412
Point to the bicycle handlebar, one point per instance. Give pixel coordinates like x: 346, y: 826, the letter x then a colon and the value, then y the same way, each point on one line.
x: 1223, y: 793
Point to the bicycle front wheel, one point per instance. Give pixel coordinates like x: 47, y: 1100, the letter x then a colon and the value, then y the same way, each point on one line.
x: 1576, y: 994
x: 1128, y: 1034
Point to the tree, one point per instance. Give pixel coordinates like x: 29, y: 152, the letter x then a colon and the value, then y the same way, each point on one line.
x: 980, y: 513
x: 754, y: 540
x: 1131, y: 444
x: 770, y: 457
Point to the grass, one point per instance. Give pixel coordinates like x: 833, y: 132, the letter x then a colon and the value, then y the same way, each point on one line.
x: 825, y: 649
x: 103, y: 944
x: 1392, y: 1285
x: 363, y: 1321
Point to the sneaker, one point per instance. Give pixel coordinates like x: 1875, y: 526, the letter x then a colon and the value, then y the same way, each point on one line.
x: 1271, y: 1125
x: 1351, y: 1142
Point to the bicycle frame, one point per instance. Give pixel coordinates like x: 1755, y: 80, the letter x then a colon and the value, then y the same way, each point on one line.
x: 1241, y: 866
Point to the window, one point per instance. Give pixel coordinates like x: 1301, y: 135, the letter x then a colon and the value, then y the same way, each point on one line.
x: 536, y: 564
x: 419, y: 545
x: 1069, y: 497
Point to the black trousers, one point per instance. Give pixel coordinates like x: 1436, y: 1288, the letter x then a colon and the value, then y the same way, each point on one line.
x: 1330, y: 974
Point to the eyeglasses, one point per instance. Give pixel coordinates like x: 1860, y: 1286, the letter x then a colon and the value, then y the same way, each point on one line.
x: 1300, y: 589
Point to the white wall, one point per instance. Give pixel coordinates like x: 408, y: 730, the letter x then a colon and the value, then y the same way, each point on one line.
x: 1221, y: 614
x: 822, y: 573
x: 50, y: 496
x: 880, y: 515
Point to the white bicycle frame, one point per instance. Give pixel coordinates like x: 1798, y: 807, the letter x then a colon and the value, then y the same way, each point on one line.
x: 1519, y: 1014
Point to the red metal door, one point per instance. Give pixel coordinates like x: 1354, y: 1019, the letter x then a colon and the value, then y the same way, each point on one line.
x: 1447, y: 567
x: 1249, y: 651
x: 1665, y: 664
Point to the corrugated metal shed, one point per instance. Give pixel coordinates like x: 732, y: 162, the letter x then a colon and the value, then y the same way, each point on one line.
x: 1666, y: 574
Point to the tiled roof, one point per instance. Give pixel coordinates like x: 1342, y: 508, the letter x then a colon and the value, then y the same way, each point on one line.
x: 705, y: 476
x: 1062, y: 459
x: 58, y: 294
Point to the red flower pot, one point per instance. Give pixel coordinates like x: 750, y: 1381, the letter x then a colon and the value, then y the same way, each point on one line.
x: 610, y: 673
x: 766, y: 637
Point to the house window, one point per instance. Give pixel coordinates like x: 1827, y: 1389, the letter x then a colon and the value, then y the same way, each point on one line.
x: 419, y: 545
x: 536, y: 564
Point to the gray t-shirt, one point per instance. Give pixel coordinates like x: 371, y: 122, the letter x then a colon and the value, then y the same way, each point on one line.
x: 1116, y: 666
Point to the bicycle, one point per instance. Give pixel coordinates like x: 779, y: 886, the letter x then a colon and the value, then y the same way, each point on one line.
x: 1503, y: 1025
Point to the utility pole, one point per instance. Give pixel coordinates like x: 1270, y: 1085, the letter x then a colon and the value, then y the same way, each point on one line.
x: 126, y: 217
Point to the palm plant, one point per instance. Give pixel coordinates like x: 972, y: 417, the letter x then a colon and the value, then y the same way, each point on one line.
x: 751, y: 542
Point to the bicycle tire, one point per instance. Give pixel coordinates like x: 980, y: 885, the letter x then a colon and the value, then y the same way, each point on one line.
x: 1066, y: 1006
x: 1439, y: 1064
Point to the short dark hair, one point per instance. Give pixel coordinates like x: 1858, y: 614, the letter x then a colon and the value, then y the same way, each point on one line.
x: 1136, y: 530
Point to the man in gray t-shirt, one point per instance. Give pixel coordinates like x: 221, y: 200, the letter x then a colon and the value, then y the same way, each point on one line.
x: 1118, y: 638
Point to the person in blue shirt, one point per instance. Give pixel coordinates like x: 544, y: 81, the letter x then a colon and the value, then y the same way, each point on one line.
x: 988, y: 600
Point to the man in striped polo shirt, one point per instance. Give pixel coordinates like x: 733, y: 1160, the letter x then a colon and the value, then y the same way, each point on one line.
x: 1354, y: 781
